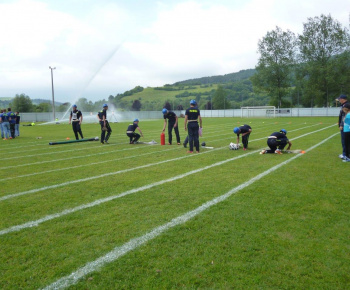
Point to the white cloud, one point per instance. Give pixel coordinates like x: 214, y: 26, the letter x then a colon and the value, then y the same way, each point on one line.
x: 154, y: 43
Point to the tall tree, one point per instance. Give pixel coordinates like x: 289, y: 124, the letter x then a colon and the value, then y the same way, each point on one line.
x: 324, y: 58
x: 22, y: 103
x: 219, y: 99
x: 274, y: 69
x: 136, y: 105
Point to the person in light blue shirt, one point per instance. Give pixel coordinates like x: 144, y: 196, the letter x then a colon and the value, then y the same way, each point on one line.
x: 346, y: 130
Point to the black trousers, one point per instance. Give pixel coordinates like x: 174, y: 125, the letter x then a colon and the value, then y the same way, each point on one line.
x: 170, y: 134
x: 193, y: 138
x: 245, y: 139
x: 104, y: 137
x: 12, y: 130
x: 77, y: 129
x: 134, y: 137
x: 347, y: 143
x: 274, y: 144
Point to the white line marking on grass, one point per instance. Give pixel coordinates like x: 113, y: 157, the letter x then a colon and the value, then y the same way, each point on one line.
x: 265, y: 137
x: 110, y: 198
x: 89, y: 164
x: 121, y: 171
x: 57, y: 152
x: 97, y: 202
x: 107, y: 152
x: 68, y: 158
x: 120, y: 251
x: 96, y: 176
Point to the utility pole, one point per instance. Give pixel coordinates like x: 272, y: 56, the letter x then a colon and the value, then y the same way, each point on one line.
x: 53, y: 95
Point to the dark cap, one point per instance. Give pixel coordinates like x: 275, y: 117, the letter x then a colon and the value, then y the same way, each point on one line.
x: 342, y: 97
x: 346, y: 105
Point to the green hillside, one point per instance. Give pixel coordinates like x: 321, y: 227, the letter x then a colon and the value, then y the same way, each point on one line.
x: 237, y: 89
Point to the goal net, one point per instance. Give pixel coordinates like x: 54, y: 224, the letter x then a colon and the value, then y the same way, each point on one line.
x: 262, y: 111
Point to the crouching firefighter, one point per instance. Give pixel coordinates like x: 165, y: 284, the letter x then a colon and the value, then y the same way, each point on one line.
x: 276, y: 142
x: 130, y: 132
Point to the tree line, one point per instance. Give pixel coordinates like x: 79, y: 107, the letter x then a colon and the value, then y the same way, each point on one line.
x: 310, y: 69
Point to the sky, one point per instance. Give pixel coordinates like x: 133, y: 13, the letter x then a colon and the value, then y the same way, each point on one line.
x: 106, y: 47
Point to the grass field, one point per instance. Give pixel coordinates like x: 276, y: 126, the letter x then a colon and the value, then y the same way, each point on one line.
x: 120, y: 216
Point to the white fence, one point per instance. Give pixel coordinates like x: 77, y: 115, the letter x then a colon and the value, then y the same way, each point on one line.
x: 148, y: 115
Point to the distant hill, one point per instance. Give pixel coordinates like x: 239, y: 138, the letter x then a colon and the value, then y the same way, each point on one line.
x: 221, y: 79
x: 237, y: 86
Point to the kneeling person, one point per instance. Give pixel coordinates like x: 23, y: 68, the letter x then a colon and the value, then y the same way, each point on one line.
x: 277, y: 141
x: 130, y: 132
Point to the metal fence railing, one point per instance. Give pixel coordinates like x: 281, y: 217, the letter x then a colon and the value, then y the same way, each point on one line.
x: 91, y: 117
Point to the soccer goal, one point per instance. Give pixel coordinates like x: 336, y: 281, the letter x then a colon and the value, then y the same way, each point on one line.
x: 262, y: 111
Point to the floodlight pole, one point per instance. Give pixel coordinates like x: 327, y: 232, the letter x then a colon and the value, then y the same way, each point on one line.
x: 53, y: 95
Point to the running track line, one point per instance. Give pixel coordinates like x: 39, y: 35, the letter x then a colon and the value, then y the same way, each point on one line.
x: 127, y: 170
x: 110, y: 198
x: 95, y: 177
x: 85, y: 148
x: 106, y: 152
x: 105, y: 161
x: 120, y: 251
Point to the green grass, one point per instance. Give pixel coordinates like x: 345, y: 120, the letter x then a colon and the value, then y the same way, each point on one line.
x: 288, y: 230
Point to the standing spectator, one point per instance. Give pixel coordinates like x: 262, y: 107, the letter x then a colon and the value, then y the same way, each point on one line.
x: 277, y: 141
x: 102, y: 118
x: 18, y: 120
x: 173, y: 123
x: 343, y: 100
x: 12, y: 121
x: 346, y: 132
x: 76, y: 118
x: 5, y: 124
x: 1, y: 127
x: 130, y: 132
x: 192, y: 116
x: 245, y: 130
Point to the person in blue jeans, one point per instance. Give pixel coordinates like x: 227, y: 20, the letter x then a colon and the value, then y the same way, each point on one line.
x: 346, y: 132
x: 5, y: 125
x: 1, y: 127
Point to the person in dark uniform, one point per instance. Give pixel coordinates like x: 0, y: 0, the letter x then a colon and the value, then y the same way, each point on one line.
x: 245, y: 130
x: 12, y: 120
x: 192, y: 116
x: 130, y: 132
x: 173, y: 123
x: 277, y: 141
x: 102, y: 118
x: 343, y: 99
x: 76, y: 118
x: 18, y: 120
